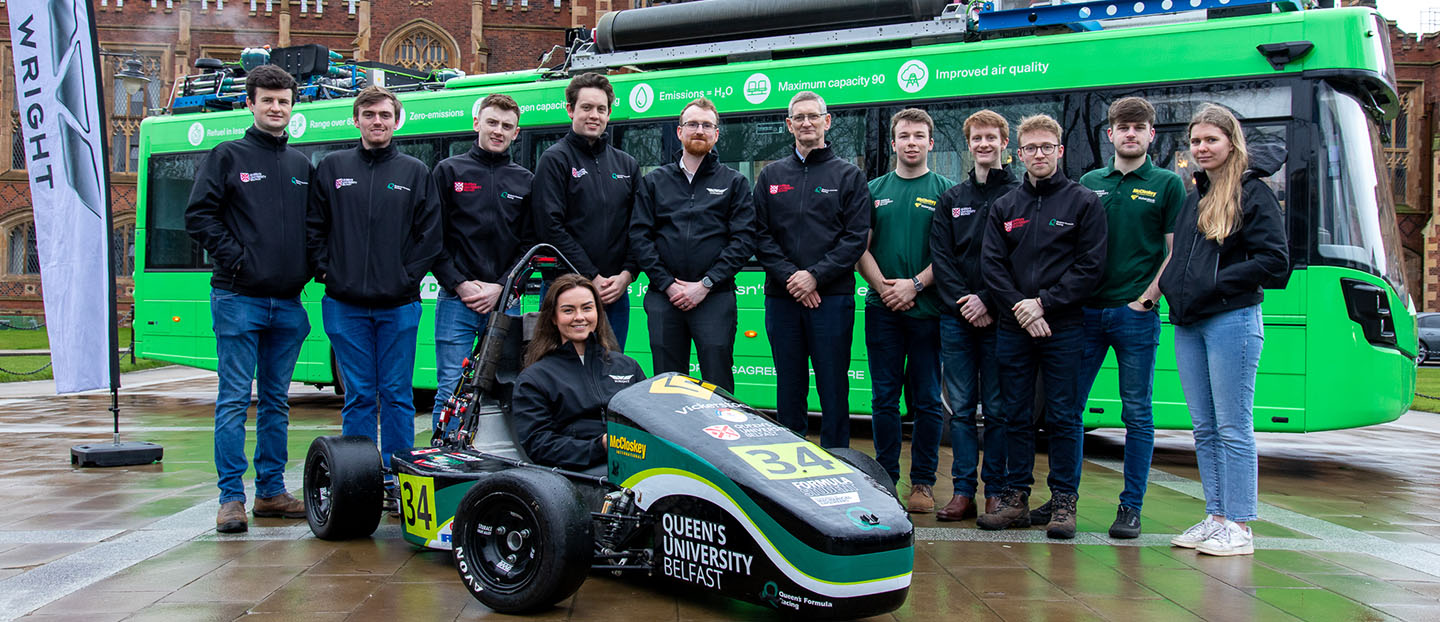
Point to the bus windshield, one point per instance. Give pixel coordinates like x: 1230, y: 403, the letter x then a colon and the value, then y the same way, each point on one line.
x: 1356, y: 224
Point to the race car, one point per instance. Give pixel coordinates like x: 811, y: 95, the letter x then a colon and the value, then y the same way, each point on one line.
x: 700, y: 490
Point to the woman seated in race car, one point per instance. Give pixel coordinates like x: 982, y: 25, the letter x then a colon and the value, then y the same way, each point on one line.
x: 572, y: 368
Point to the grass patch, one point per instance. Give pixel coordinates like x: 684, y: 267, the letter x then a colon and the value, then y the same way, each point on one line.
x: 15, y: 368
x: 1427, y: 381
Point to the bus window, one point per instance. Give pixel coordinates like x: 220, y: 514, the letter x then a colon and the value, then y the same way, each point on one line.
x: 748, y: 143
x: 167, y: 245
x: 1264, y: 142
x: 651, y: 144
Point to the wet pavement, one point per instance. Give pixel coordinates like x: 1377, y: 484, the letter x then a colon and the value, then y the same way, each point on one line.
x: 1351, y: 531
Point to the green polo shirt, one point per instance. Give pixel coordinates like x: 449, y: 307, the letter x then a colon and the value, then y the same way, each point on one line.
x: 900, y: 232
x: 1140, y: 207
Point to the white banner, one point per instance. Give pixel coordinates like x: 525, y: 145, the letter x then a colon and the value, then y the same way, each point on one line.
x: 63, y: 122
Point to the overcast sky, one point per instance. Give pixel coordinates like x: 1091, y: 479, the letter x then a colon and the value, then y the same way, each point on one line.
x: 1407, y: 12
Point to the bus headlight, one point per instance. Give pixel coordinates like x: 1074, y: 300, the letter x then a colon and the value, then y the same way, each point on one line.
x: 1369, y: 307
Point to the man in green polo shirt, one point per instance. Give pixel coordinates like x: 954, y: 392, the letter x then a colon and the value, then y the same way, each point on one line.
x: 1141, y: 201
x: 902, y: 316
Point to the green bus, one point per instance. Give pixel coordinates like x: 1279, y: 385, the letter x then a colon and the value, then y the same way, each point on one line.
x: 1341, y: 336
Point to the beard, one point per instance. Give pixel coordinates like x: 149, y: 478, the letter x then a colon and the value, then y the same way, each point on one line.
x: 697, y: 147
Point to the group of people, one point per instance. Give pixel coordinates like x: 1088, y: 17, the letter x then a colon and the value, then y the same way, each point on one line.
x: 974, y: 288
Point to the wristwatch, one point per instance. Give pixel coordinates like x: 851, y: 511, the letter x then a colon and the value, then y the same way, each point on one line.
x: 705, y: 280
x: 1147, y: 303
x: 919, y: 287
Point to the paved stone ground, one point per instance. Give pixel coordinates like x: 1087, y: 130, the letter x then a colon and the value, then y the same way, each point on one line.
x: 1351, y: 532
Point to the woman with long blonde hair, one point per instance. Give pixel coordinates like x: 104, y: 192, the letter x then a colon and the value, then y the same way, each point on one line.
x: 1229, y: 243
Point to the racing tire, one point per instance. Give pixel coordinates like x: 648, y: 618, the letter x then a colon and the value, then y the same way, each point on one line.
x: 867, y: 465
x: 344, y: 487
x: 522, y: 540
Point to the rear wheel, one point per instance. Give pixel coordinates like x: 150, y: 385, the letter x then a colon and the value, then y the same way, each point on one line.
x: 1424, y: 353
x: 343, y: 487
x: 867, y: 465
x: 522, y: 540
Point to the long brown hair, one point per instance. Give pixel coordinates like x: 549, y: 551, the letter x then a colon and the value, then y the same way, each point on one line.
x: 1220, y: 208
x: 547, y: 333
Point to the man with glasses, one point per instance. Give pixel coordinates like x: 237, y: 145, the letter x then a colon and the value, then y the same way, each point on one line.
x: 812, y: 214
x: 1043, y: 255
x: 691, y: 230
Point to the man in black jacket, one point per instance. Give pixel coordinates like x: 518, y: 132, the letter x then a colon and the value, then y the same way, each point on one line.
x: 373, y: 232
x: 485, y: 217
x: 691, y: 231
x: 968, y: 312
x: 247, y: 210
x: 1043, y: 255
x: 812, y: 213
x: 583, y: 192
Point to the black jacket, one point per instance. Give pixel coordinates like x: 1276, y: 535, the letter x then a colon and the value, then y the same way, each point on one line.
x: 485, y: 215
x: 582, y: 195
x: 691, y: 229
x: 1204, y: 278
x: 374, y: 226
x: 1045, y: 240
x: 957, y: 234
x: 557, y: 403
x: 811, y: 214
x: 247, y: 209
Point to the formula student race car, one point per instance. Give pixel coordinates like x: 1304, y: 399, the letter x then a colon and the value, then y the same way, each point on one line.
x: 700, y: 490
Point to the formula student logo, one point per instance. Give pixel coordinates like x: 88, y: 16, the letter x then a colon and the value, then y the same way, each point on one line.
x: 511, y: 196
x: 465, y: 186
x: 778, y: 188
x: 577, y: 173
x: 824, y: 190
x: 246, y: 178
x: 618, y: 176
x: 1011, y: 225
x: 344, y: 181
x: 1060, y: 223
x: 296, y: 181
x: 394, y: 186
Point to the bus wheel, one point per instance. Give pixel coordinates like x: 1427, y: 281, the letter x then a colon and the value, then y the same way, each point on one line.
x: 522, y: 540
x: 344, y: 487
x: 867, y: 465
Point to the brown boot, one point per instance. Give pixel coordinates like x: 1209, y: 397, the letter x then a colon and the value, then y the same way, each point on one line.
x: 1013, y: 510
x: 991, y: 504
x: 959, y: 508
x: 280, y: 506
x: 231, y: 518
x: 922, y: 499
x: 1062, y: 516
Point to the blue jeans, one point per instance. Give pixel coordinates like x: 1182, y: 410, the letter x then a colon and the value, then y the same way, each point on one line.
x: 375, y: 349
x: 456, y: 329
x: 1218, y: 358
x: 904, y: 352
x: 255, y: 338
x: 1134, y: 335
x: 801, y: 338
x: 968, y: 356
x: 618, y: 313
x: 1054, y: 358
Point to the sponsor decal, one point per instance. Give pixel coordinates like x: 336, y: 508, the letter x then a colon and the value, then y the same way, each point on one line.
x: 715, y: 192
x: 1055, y: 222
x: 344, y: 181
x: 865, y: 519
x: 430, y: 450
x: 577, y: 173
x: 296, y: 181
x: 924, y: 201
x: 693, y: 551
x: 622, y: 379
x: 956, y: 212
x: 510, y: 195
x: 684, y: 385
x: 618, y: 176
x: 694, y: 407
x: 394, y: 186
x: 731, y: 415
x: 627, y: 447
x: 1141, y: 194
x: 793, y: 460
x: 777, y: 598
x: 1011, y: 225
x: 722, y: 432
x: 757, y: 88
x: 465, y: 186
x: 249, y: 177
x: 913, y: 75
x: 829, y: 491
x: 760, y: 429
x: 824, y: 190
x: 778, y: 188
x: 464, y: 457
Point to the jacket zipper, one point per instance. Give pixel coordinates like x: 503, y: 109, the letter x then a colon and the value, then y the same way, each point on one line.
x: 369, y: 211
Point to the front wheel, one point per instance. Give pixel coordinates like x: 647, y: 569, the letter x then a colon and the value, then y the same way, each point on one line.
x: 1423, y: 355
x: 344, y: 487
x: 522, y: 540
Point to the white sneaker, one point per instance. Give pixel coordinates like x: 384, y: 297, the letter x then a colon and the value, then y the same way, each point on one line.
x: 1198, y: 533
x: 1230, y: 540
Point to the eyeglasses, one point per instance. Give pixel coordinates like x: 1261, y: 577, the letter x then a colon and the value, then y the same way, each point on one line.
x: 1047, y: 149
x: 811, y: 117
x: 699, y: 125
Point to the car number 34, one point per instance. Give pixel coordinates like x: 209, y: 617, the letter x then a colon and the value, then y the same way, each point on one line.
x: 790, y: 460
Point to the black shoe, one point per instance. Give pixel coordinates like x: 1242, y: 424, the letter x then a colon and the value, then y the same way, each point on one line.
x: 1040, y: 515
x: 1127, y: 523
x: 391, y: 502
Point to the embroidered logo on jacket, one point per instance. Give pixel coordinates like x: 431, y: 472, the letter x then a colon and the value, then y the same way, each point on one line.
x: 249, y: 177
x: 715, y: 192
x: 296, y: 181
x: 956, y: 212
x: 1060, y: 223
x: 622, y: 379
x: 344, y: 181
x: 618, y: 176
x: 778, y: 188
x: 394, y: 186
x: 824, y: 190
x: 465, y: 186
x: 883, y: 202
x: 1011, y: 225
x: 577, y: 173
x: 508, y: 195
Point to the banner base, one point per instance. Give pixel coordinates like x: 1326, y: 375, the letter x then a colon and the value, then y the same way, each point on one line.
x: 129, y: 453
